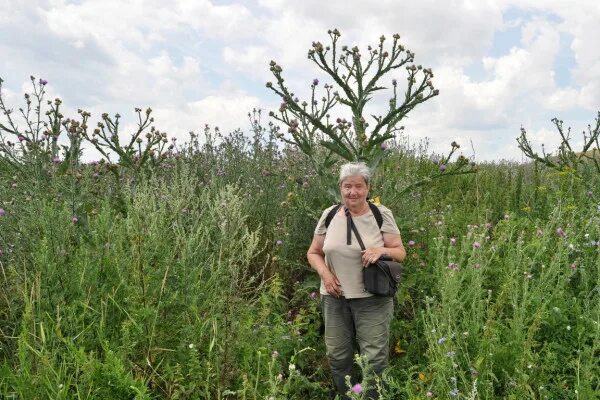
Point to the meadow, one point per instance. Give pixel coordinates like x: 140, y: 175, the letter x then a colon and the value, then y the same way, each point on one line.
x: 188, y: 279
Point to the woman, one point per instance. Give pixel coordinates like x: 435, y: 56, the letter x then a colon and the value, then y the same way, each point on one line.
x: 350, y: 312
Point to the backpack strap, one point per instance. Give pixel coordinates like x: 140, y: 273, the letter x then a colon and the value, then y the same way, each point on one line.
x: 331, y: 214
x: 374, y: 209
x: 376, y: 214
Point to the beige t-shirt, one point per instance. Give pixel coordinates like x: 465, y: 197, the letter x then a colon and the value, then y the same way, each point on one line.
x: 345, y: 261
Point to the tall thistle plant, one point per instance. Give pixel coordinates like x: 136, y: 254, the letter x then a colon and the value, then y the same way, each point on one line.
x: 583, y: 164
x: 357, y: 78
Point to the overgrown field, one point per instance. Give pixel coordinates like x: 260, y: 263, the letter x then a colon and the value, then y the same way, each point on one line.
x: 189, y: 280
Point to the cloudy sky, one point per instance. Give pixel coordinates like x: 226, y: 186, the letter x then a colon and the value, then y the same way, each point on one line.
x: 499, y: 64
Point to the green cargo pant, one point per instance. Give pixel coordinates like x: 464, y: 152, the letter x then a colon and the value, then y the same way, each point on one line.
x: 366, y: 321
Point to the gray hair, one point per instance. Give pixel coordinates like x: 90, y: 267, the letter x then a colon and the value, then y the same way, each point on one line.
x: 355, y: 169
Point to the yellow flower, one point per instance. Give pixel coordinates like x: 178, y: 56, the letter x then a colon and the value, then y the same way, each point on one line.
x: 376, y: 200
x: 422, y: 377
x: 398, y: 349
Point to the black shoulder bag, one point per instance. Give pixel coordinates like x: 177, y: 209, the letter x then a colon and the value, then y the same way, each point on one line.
x: 383, y: 276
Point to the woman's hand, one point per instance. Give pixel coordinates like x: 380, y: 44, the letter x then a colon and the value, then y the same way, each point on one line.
x: 332, y: 284
x: 372, y: 254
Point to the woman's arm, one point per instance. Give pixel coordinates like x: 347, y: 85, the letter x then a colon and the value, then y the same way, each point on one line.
x: 316, y: 259
x: 392, y: 246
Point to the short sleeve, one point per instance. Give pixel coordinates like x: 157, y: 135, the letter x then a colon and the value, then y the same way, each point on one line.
x: 321, y: 229
x: 389, y: 223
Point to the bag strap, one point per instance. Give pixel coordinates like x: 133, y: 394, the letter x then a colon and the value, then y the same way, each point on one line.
x: 352, y: 228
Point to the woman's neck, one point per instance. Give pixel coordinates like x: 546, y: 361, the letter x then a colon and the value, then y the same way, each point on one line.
x: 358, y: 209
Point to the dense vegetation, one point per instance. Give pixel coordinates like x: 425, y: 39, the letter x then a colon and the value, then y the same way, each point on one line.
x: 189, y: 280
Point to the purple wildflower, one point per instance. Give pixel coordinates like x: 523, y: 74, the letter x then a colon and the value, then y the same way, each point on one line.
x: 453, y: 241
x: 313, y: 295
x: 279, y: 242
x: 560, y: 232
x: 357, y: 388
x: 411, y: 243
x: 2, y: 212
x: 488, y: 225
x: 442, y: 167
x: 441, y: 340
x: 394, y: 82
x: 453, y: 266
x: 476, y: 245
x: 315, y: 82
x: 74, y: 219
x: 384, y: 146
x: 43, y: 82
x: 55, y: 160
x: 429, y: 394
x: 573, y: 266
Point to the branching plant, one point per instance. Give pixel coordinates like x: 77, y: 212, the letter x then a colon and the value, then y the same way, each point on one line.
x: 565, y: 157
x: 357, y: 79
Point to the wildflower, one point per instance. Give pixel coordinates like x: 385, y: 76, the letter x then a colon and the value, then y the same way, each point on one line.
x: 280, y: 377
x: 279, y: 242
x: 476, y: 245
x: 560, y: 232
x: 441, y: 340
x: 315, y: 82
x: 292, y: 367
x: 450, y: 354
x: 568, y: 327
x: 506, y: 216
x: 439, y: 223
x: 55, y: 160
x: 442, y: 167
x: 453, y: 266
x: 43, y: 82
x: 384, y: 146
x: 394, y: 82
x: 429, y: 394
x: 539, y: 232
x: 74, y: 219
x: 411, y: 243
x: 357, y: 388
x: 191, y: 346
x: 275, y: 354
x: 477, y: 266
x: 313, y: 295
x: 488, y: 225
x: 528, y: 275
x: 2, y: 212
x: 453, y: 379
x: 453, y: 392
x: 453, y: 241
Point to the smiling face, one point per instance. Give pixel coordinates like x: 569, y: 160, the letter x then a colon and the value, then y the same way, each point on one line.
x: 354, y: 191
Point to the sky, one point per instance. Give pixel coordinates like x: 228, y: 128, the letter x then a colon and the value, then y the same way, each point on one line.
x: 499, y: 65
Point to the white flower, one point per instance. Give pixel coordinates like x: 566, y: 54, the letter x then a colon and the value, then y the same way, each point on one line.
x: 568, y: 327
x: 292, y: 367
x: 191, y: 345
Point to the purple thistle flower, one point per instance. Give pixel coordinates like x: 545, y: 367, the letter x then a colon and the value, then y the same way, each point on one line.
x: 476, y: 245
x: 56, y: 160
x: 313, y: 295
x: 357, y: 388
x: 411, y: 243
x: 560, y: 232
x: 453, y: 241
x: 279, y: 242
x: 573, y: 266
x: 74, y: 219
x: 315, y: 82
x: 394, y: 82
x: 453, y: 266
x: 488, y: 225
x: 384, y: 146
x: 43, y: 82
x: 442, y: 167
x: 2, y: 212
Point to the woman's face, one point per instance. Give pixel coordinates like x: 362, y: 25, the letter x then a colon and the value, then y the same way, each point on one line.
x: 354, y: 190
